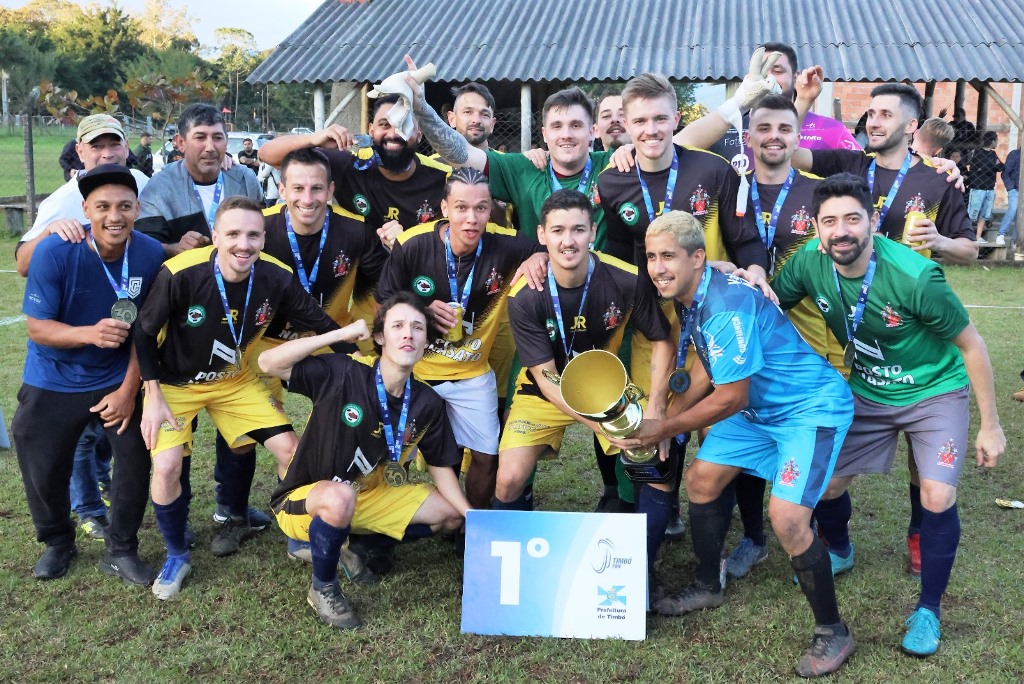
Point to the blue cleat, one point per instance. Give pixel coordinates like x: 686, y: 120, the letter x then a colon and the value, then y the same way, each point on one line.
x: 923, y: 633
x: 168, y: 582
x: 841, y: 564
x: 300, y: 550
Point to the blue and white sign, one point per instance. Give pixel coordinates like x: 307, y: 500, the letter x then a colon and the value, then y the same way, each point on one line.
x: 581, y: 575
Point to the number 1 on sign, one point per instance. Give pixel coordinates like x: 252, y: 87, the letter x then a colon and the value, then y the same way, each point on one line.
x: 510, y: 553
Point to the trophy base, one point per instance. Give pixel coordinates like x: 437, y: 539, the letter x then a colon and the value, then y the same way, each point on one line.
x: 654, y: 470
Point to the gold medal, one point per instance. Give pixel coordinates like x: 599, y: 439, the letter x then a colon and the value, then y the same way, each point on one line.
x: 395, y: 475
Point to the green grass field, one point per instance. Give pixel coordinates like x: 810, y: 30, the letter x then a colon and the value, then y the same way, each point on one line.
x: 47, y: 144
x: 245, y: 619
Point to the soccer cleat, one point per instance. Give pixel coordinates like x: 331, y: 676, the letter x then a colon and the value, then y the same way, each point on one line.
x: 745, y: 556
x: 676, y: 529
x: 258, y: 520
x: 300, y: 550
x: 923, y: 633
x: 696, y: 596
x: 128, y: 567
x: 356, y: 569
x: 95, y: 527
x: 230, y: 536
x: 608, y: 503
x: 1000, y: 241
x: 827, y: 653
x: 914, y: 554
x: 1019, y: 395
x: 104, y: 488
x: 841, y: 564
x: 655, y: 591
x: 168, y: 582
x: 54, y: 562
x: 333, y: 607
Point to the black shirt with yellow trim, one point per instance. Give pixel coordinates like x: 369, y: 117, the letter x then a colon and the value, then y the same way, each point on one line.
x: 344, y: 440
x: 922, y: 190
x: 185, y: 307
x: 419, y: 264
x: 600, y: 325
x: 351, y: 247
x: 795, y: 227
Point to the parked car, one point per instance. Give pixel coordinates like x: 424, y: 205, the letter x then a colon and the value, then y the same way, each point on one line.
x: 301, y: 131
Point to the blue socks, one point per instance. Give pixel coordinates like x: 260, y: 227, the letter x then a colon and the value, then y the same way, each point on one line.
x: 171, y: 521
x: 658, y: 507
x: 833, y: 518
x: 940, y: 537
x: 325, y: 545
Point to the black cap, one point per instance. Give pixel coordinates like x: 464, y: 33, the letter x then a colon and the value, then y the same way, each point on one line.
x: 106, y: 174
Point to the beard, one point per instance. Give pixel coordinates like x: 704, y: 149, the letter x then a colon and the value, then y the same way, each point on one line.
x: 892, y: 142
x: 395, y: 160
x: 476, y: 136
x: 851, y: 256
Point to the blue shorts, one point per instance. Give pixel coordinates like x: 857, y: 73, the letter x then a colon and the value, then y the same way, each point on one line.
x: 980, y: 203
x: 797, y: 460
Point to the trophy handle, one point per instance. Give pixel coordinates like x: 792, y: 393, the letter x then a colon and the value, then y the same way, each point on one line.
x: 552, y: 376
x: 633, y: 393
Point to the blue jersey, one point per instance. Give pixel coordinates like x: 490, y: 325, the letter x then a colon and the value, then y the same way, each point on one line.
x: 67, y: 283
x: 741, y: 334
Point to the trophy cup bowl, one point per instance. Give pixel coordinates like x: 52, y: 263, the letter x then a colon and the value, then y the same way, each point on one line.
x: 596, y: 386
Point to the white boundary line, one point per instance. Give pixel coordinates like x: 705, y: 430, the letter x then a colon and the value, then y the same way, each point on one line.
x: 12, y: 320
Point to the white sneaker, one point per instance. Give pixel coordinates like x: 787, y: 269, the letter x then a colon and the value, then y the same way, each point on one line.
x: 982, y: 241
x: 1001, y: 241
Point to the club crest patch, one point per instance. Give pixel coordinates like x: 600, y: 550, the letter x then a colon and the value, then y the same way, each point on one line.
x: 612, y: 316
x: 195, y: 316
x: 699, y: 201
x: 361, y: 204
x: 351, y: 415
x: 824, y: 306
x: 629, y: 213
x: 423, y: 286
x: 263, y: 313
x: 425, y: 213
x: 790, y: 474
x: 341, y: 265
x: 948, y: 455
x: 891, y: 317
x: 915, y: 203
x: 494, y: 282
x: 800, y: 223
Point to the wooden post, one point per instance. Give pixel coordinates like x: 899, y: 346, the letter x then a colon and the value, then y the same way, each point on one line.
x: 364, y: 108
x: 30, y: 165
x: 525, y: 117
x: 958, y: 96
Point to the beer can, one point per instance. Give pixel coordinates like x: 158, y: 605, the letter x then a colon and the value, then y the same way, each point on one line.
x: 455, y: 334
x: 908, y: 223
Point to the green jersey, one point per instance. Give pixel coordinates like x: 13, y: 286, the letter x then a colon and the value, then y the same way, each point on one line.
x: 514, y: 178
x: 904, y: 341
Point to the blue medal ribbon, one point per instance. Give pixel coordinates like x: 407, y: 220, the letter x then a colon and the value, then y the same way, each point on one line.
x: 553, y: 287
x: 122, y: 291
x: 582, y: 187
x: 218, y: 190
x: 453, y: 272
x: 862, y: 299
x: 892, y: 191
x: 689, y: 317
x: 227, y: 307
x: 768, y: 232
x: 670, y: 186
x: 300, y: 270
x: 393, y: 438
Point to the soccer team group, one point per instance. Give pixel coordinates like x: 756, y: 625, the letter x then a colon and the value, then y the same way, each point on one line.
x: 423, y: 310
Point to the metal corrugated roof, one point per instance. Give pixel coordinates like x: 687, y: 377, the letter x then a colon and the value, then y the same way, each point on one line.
x: 598, y: 40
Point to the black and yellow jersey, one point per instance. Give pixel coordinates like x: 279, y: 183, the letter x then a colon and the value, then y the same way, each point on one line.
x: 419, y: 264
x: 351, y: 246
x: 185, y: 308
x: 922, y: 190
x: 344, y: 440
x: 600, y: 325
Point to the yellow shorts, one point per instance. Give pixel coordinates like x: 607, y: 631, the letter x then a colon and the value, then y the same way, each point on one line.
x: 812, y: 327
x: 640, y: 359
x: 502, y: 354
x: 533, y: 421
x: 237, y: 406
x: 383, y: 509
x: 364, y: 309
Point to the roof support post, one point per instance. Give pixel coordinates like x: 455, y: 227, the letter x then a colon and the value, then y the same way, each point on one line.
x: 958, y: 96
x: 525, y: 117
x: 929, y: 99
x: 318, y: 106
x: 1017, y: 120
x: 982, y: 118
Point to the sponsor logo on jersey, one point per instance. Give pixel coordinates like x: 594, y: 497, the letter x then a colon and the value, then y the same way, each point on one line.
x: 629, y: 213
x: 612, y: 316
x: 423, y: 286
x: 891, y: 316
x: 915, y: 203
x: 800, y: 222
x: 263, y: 313
x: 823, y: 304
x: 195, y: 316
x: 699, y: 201
x: 948, y: 455
x: 790, y: 474
x: 549, y: 325
x: 340, y: 265
x: 494, y: 282
x: 425, y: 213
x: 134, y: 287
x: 351, y: 415
x: 361, y: 204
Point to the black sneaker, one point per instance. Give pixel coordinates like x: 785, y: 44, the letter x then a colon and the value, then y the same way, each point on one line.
x: 129, y: 567
x: 608, y: 503
x: 258, y: 520
x: 676, y: 529
x: 827, y: 653
x: 54, y: 562
x: 655, y: 592
x: 333, y: 607
x: 355, y: 567
x: 230, y: 536
x: 94, y: 526
x: 696, y: 596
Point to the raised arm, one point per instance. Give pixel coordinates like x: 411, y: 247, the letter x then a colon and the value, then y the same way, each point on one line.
x: 445, y: 140
x: 279, y: 361
x: 334, y: 137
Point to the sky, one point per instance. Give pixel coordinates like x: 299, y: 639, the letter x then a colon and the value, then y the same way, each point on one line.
x: 269, y: 21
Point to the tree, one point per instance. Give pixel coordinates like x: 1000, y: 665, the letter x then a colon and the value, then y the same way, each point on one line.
x: 25, y: 65
x: 159, y: 96
x: 167, y: 28
x: 95, y: 52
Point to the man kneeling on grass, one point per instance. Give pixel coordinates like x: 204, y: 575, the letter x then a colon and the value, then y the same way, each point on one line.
x: 349, y: 473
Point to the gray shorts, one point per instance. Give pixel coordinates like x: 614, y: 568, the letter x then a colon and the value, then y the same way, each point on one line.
x: 936, y: 428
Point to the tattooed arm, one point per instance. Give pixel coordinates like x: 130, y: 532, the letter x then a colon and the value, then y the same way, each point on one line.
x: 445, y: 140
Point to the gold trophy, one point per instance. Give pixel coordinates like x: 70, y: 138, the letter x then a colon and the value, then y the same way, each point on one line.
x: 595, y: 385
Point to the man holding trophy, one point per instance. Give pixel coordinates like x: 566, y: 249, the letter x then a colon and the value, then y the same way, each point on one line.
x: 777, y: 410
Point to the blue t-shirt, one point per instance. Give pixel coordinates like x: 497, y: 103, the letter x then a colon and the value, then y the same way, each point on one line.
x: 741, y: 334
x: 66, y: 283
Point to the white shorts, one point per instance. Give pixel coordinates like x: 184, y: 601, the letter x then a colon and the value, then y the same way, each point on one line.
x: 473, y: 411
